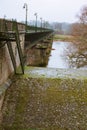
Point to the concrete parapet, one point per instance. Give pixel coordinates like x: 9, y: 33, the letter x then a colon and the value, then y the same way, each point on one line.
x: 21, y: 26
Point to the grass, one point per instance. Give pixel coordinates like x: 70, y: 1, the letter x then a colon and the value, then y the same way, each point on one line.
x: 67, y: 38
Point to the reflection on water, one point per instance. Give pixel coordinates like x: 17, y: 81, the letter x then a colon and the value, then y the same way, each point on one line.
x: 63, y: 55
x: 67, y: 55
x: 57, y: 59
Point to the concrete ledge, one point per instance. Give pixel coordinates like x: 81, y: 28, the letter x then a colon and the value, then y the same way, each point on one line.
x: 4, y: 86
x: 3, y: 89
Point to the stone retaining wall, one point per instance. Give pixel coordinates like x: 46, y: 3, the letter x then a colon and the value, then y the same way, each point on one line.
x: 6, y: 67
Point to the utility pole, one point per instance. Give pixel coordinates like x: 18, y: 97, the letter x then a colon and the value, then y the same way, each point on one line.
x: 41, y: 24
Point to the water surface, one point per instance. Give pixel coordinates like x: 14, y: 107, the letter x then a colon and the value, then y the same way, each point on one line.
x: 57, y: 59
x: 67, y: 55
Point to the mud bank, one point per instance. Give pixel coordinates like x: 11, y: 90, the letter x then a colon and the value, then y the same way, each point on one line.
x: 46, y: 99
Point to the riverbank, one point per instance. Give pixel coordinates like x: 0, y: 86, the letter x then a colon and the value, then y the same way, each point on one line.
x: 46, y: 99
x: 66, y: 38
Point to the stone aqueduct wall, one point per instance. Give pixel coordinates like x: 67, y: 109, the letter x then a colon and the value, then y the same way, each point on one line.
x: 6, y: 67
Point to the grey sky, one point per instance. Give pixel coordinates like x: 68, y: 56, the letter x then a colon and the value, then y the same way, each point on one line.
x: 49, y: 10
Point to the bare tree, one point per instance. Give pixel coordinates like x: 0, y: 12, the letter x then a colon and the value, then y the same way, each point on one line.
x: 79, y: 31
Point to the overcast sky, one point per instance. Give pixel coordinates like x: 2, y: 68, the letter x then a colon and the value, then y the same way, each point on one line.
x: 49, y: 10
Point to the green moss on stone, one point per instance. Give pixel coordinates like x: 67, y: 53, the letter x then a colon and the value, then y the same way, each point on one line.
x: 41, y: 102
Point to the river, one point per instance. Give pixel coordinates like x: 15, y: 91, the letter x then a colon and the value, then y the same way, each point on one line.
x: 65, y: 55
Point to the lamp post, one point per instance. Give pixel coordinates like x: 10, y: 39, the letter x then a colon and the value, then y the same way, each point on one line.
x: 26, y: 7
x: 4, y: 16
x: 41, y: 24
x: 44, y: 25
x: 36, y: 22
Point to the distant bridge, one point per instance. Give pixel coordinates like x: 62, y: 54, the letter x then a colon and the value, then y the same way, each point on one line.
x: 14, y: 37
